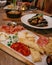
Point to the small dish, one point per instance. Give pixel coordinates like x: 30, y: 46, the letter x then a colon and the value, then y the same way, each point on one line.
x: 13, y: 14
x: 49, y: 60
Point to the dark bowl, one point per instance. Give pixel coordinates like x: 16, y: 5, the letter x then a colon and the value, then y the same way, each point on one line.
x: 49, y: 60
x: 13, y: 13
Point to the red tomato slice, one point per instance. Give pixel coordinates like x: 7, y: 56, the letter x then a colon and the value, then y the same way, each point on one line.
x: 42, y: 41
x: 5, y: 28
x: 20, y: 47
x: 11, y: 29
x: 17, y: 28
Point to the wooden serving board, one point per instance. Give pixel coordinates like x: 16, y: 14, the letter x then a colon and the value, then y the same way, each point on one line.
x: 14, y: 54
x: 17, y: 55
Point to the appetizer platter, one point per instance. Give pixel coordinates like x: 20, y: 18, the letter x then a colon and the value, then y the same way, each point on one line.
x: 34, y: 48
x: 38, y: 21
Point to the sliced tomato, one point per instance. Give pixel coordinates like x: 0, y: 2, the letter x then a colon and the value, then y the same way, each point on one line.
x: 20, y: 47
x: 11, y: 29
x: 17, y: 28
x: 5, y: 28
x: 42, y: 41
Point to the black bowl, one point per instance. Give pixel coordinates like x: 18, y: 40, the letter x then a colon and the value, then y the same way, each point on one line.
x: 49, y: 60
x: 13, y: 13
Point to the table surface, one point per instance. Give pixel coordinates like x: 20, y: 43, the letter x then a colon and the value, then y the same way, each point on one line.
x: 6, y: 59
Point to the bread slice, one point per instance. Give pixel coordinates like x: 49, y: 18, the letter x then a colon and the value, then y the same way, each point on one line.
x: 36, y: 56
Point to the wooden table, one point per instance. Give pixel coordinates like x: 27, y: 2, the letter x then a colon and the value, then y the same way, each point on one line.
x: 6, y: 59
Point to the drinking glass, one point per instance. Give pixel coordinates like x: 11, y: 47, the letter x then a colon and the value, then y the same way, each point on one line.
x: 2, y: 3
x: 30, y: 3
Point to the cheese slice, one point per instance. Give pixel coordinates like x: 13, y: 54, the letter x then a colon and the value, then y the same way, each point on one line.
x: 36, y: 57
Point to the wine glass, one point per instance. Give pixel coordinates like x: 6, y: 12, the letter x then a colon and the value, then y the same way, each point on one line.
x: 19, y: 4
x: 2, y: 3
x: 30, y: 5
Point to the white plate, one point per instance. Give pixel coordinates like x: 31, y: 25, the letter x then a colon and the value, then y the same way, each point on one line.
x: 2, y: 3
x: 25, y: 18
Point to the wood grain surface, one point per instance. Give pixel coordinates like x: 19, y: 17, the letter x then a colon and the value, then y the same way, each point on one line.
x: 6, y: 59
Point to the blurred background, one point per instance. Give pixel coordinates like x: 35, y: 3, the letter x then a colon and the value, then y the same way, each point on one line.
x: 45, y: 5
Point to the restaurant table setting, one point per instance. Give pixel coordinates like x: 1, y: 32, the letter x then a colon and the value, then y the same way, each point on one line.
x: 27, y: 37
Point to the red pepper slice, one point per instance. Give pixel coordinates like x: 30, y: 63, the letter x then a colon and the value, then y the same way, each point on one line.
x: 20, y: 47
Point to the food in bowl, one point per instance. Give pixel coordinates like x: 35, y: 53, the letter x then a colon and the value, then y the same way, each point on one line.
x: 11, y: 6
x: 13, y: 14
x: 38, y: 21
